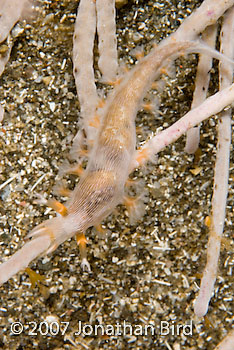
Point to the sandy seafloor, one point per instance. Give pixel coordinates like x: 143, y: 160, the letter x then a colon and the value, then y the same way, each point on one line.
x: 142, y: 274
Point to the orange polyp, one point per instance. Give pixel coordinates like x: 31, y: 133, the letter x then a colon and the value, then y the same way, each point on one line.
x: 154, y: 85
x: 63, y: 191
x: 163, y: 70
x: 134, y: 206
x: 57, y: 206
x: 83, y: 152
x: 79, y: 170
x: 35, y: 278
x: 138, y: 129
x: 129, y: 201
x: 82, y: 241
x: 125, y: 69
x: 139, y: 55
x: 208, y: 323
x: 142, y: 156
x: 100, y: 229
x: 207, y: 221
x: 148, y: 107
x: 76, y: 170
x: 95, y: 122
x: 116, y: 82
x: 130, y: 182
x: 101, y: 103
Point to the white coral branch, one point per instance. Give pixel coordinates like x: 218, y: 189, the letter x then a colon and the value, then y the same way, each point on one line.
x: 83, y: 42
x: 201, y: 86
x: 107, y: 44
x: 227, y: 342
x: 221, y: 173
x: 212, y: 105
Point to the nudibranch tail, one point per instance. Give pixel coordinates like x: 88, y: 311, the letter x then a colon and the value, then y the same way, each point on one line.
x: 43, y: 239
x: 21, y: 259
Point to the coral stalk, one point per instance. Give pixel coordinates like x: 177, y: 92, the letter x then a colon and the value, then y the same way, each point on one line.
x: 212, y: 105
x: 221, y: 173
x: 227, y: 342
x: 11, y: 11
x: 107, y: 45
x: 201, y: 86
x: 83, y: 42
